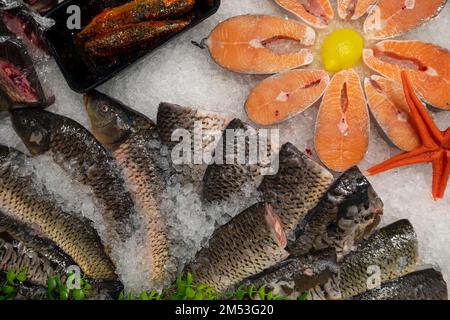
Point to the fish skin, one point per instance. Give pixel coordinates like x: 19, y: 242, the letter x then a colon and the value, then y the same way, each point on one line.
x: 79, y: 153
x: 129, y: 135
x: 172, y: 117
x: 223, y: 182
x: 426, y: 284
x: 134, y: 12
x: 296, y: 275
x: 21, y: 248
x: 332, y: 221
x: 394, y: 249
x: 204, y: 130
x: 23, y: 198
x: 248, y: 244
x: 131, y: 37
x: 296, y: 188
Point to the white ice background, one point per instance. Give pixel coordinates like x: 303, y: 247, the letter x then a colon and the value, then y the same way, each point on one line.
x: 182, y: 73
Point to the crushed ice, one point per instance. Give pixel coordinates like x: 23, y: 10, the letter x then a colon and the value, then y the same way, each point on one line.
x: 182, y: 73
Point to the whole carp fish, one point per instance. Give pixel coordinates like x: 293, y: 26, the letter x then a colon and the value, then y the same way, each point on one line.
x: 77, y: 151
x: 251, y: 242
x: 133, y: 140
x: 347, y: 213
x: 23, y: 198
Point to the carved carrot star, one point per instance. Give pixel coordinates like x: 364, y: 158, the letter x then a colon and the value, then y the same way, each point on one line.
x: 435, y: 147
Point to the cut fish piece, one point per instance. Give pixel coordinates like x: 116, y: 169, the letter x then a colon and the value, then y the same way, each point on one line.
x: 261, y: 44
x: 391, y: 18
x: 283, y: 96
x: 427, y: 66
x: 317, y: 13
x: 348, y: 213
x: 251, y: 242
x: 342, y: 128
x: 388, y: 105
x: 354, y: 9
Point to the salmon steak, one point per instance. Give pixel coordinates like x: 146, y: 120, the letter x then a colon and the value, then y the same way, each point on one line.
x: 342, y: 128
x: 261, y: 44
x: 392, y: 18
x: 283, y: 96
x: 426, y: 64
x: 354, y: 9
x: 388, y: 106
x: 317, y: 13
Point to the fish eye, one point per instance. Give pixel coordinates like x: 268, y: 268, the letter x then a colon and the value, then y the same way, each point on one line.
x: 104, y: 108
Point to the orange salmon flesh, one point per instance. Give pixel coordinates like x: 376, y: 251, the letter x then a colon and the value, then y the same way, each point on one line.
x: 316, y: 13
x: 342, y: 128
x: 426, y: 65
x: 388, y: 106
x: 260, y: 44
x: 391, y: 18
x: 283, y: 96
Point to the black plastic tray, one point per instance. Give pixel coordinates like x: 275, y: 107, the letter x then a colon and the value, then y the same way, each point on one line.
x: 82, y: 76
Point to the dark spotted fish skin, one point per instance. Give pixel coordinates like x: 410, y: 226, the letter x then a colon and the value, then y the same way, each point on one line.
x: 22, y: 249
x: 134, y: 142
x: 296, y: 275
x: 426, y: 284
x: 24, y: 199
x: 145, y: 179
x: 226, y: 181
x: 296, y: 188
x: 347, y: 213
x: 172, y: 117
x: 394, y: 249
x: 79, y: 153
x: 246, y: 245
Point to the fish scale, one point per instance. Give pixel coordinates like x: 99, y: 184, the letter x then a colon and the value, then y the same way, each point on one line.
x: 224, y: 181
x: 243, y: 247
x: 426, y: 284
x: 134, y: 142
x: 348, y: 212
x: 394, y: 249
x: 144, y: 180
x: 24, y: 199
x: 21, y: 248
x: 296, y: 188
x: 77, y: 151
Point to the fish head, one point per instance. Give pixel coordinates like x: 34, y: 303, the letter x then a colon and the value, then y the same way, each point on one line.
x: 34, y: 127
x: 111, y: 121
